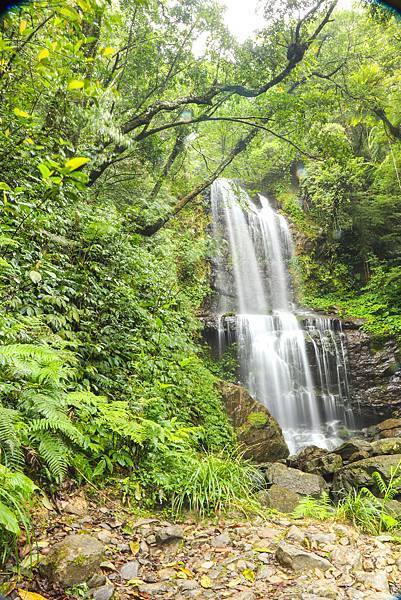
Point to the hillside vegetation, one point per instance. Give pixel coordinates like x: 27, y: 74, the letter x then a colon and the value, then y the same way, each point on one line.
x: 114, y: 120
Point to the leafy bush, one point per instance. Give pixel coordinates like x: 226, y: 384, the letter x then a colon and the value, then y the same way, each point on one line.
x: 316, y: 508
x: 361, y: 507
x: 16, y: 492
x: 204, y: 483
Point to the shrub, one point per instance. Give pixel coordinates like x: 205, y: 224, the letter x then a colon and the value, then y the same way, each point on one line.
x: 15, y: 494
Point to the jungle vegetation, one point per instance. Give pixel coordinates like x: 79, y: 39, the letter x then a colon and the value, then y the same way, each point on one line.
x: 115, y: 117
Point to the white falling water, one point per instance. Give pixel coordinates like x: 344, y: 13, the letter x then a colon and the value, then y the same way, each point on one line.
x: 295, y: 366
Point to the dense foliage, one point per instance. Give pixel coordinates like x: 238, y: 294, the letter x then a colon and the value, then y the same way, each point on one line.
x: 114, y: 120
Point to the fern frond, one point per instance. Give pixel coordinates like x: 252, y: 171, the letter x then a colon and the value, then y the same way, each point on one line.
x: 10, y: 446
x: 55, y: 455
x: 381, y: 484
x: 62, y: 426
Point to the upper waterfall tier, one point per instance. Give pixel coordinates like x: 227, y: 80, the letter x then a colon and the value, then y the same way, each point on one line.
x: 298, y: 371
x: 260, y: 245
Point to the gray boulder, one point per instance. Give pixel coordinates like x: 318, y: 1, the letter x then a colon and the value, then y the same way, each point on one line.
x: 73, y: 560
x: 387, y: 446
x: 256, y: 429
x: 355, y: 449
x: 300, y: 560
x: 389, y: 428
x: 304, y: 484
x: 281, y: 499
x: 359, y: 474
x: 305, y: 457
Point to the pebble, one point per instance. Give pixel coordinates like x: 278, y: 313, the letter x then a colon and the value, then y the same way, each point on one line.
x: 130, y: 570
x: 96, y: 580
x: 105, y: 592
x: 221, y: 541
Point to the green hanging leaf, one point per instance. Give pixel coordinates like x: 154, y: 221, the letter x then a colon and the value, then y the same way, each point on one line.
x: 8, y: 520
x: 44, y: 170
x: 76, y: 84
x: 75, y: 163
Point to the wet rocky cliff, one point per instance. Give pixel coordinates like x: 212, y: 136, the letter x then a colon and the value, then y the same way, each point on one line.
x: 375, y: 372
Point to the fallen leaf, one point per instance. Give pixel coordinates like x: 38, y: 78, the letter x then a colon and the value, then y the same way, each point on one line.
x: 261, y: 549
x: 135, y: 582
x: 184, y: 573
x: 108, y: 565
x: 206, y: 582
x: 134, y: 546
x: 25, y: 595
x: 46, y: 502
x: 234, y: 582
x: 7, y: 587
x: 249, y: 575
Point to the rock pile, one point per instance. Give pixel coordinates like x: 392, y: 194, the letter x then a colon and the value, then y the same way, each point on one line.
x: 276, y: 558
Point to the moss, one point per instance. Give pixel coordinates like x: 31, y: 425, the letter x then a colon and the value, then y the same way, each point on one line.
x: 79, y: 560
x: 257, y: 419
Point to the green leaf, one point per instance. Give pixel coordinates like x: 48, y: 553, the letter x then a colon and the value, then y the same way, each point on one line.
x: 75, y: 163
x: 70, y: 13
x: 76, y: 84
x: 4, y: 186
x: 8, y: 520
x: 21, y: 113
x: 44, y: 170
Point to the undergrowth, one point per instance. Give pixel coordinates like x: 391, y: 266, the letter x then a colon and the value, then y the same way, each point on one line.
x: 362, y: 508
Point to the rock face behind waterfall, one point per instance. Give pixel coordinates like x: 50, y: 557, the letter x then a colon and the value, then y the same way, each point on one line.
x: 375, y: 372
x: 256, y: 429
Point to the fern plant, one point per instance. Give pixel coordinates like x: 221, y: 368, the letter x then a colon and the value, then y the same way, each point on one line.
x: 316, y: 508
x: 16, y: 492
x: 34, y: 408
x: 388, y: 490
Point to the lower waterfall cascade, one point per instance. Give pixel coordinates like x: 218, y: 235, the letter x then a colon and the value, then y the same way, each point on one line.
x: 291, y: 360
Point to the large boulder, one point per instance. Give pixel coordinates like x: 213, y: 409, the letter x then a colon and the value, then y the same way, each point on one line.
x: 386, y: 446
x: 390, y: 428
x: 303, y: 484
x: 354, y: 449
x: 256, y: 429
x: 73, y: 560
x: 300, y: 560
x: 313, y: 459
x: 359, y: 474
x: 281, y: 499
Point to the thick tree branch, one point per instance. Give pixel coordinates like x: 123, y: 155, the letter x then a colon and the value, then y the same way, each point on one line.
x: 177, y: 149
x: 295, y: 54
x: 241, y: 145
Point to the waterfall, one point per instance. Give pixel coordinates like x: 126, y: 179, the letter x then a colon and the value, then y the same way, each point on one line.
x: 292, y: 362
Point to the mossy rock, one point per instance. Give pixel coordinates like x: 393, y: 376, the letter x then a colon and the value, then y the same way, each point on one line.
x: 73, y: 560
x: 257, y: 430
